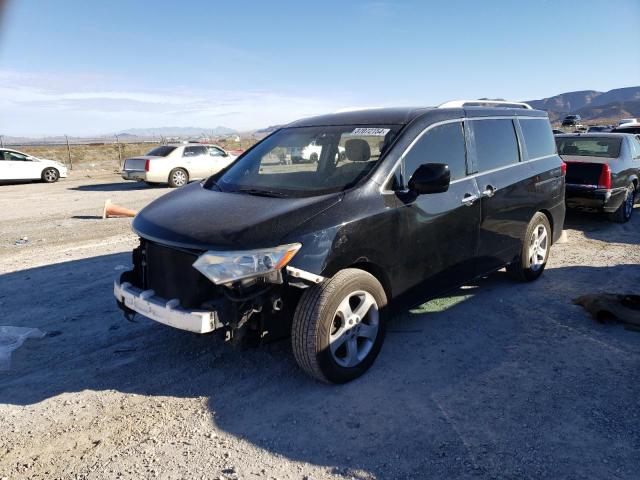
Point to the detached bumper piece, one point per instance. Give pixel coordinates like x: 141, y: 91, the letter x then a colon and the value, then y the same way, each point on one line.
x: 168, y: 312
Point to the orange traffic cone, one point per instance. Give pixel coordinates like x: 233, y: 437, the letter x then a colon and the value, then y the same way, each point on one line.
x: 111, y: 210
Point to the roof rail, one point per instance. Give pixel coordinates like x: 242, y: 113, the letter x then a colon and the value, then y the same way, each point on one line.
x: 484, y: 103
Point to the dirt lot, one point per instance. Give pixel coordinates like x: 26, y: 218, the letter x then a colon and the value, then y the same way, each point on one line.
x: 497, y: 380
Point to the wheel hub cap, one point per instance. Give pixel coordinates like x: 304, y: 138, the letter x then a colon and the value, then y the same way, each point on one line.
x: 538, y: 247
x: 354, y: 329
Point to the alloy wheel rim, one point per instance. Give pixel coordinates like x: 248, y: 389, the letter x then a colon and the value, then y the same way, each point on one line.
x: 354, y: 329
x: 538, y: 245
x: 179, y: 178
x: 49, y: 175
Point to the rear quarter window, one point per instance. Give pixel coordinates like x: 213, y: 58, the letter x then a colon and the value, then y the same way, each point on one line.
x: 161, y: 151
x: 496, y: 143
x: 538, y: 137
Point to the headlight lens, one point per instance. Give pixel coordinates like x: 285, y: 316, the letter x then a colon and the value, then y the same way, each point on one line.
x: 225, y: 267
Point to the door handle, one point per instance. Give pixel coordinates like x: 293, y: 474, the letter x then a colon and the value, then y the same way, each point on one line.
x: 489, y: 191
x: 469, y: 199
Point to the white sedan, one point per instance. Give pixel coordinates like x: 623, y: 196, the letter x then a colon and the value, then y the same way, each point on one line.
x: 15, y: 165
x: 177, y: 164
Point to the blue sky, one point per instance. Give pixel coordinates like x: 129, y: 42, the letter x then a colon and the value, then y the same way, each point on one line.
x: 84, y: 67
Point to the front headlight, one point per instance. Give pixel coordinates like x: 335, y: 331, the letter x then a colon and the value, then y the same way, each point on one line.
x: 225, y: 267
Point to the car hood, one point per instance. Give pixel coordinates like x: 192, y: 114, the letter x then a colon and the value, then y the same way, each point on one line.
x: 198, y: 218
x: 585, y: 159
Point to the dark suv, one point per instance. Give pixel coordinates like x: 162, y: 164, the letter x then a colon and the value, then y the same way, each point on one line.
x: 403, y: 205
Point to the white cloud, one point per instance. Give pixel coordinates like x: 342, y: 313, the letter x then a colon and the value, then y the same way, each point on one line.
x: 38, y: 105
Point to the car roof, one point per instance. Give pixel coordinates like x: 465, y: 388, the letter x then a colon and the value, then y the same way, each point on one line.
x: 405, y: 115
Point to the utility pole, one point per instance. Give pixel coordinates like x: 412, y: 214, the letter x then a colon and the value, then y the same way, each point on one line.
x: 119, y: 152
x: 69, y: 153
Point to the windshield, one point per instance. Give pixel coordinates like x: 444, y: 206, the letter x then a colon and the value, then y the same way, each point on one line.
x: 306, y: 161
x: 606, y: 147
x: 161, y: 151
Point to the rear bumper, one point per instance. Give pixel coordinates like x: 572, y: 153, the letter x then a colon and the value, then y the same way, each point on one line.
x: 168, y: 312
x: 134, y: 174
x: 583, y: 197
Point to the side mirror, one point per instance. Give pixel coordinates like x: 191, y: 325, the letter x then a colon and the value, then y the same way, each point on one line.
x: 430, y: 178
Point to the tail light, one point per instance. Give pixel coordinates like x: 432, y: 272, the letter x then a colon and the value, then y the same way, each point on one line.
x: 564, y: 169
x: 146, y: 165
x: 605, y: 177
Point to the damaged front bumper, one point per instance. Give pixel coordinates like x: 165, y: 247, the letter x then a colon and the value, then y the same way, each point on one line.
x: 168, y: 312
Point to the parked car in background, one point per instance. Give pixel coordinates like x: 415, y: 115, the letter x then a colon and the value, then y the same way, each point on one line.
x: 624, y: 121
x: 311, y: 152
x: 424, y: 200
x: 598, y: 128
x: 15, y: 165
x: 602, y: 172
x: 572, y: 121
x: 558, y: 132
x: 633, y: 128
x: 177, y: 164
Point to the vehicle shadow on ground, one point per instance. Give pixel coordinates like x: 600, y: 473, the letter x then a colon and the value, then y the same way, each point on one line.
x: 115, y: 187
x: 597, y: 226
x: 498, y: 378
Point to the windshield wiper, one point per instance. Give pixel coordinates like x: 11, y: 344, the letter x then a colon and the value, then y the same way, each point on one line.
x: 261, y: 193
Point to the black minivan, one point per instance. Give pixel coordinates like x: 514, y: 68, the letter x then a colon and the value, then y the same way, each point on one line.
x: 402, y: 205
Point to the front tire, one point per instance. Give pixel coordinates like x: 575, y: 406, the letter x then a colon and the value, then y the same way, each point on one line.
x: 50, y: 175
x: 178, y: 177
x: 339, y: 325
x: 625, y: 210
x: 535, y: 250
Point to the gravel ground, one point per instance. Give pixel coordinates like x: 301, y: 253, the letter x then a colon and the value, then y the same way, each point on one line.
x: 497, y: 380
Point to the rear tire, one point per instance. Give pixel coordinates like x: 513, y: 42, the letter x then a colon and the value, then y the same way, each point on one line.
x: 534, y: 252
x: 338, y: 326
x: 178, y: 177
x: 625, y: 210
x: 50, y: 175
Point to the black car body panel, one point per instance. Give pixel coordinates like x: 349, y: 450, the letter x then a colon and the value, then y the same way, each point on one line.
x: 584, y: 188
x: 414, y: 244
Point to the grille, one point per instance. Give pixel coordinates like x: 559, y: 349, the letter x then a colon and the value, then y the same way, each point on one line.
x: 170, y: 273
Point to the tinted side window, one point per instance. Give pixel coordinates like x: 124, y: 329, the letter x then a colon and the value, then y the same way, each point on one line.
x: 193, y: 151
x: 215, y: 152
x: 441, y: 144
x: 15, y: 157
x: 538, y: 137
x: 496, y: 143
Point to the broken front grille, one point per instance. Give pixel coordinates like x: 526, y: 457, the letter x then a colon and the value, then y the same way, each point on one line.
x: 170, y: 274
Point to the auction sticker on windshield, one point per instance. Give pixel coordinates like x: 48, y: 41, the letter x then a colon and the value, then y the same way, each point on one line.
x: 371, y: 132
